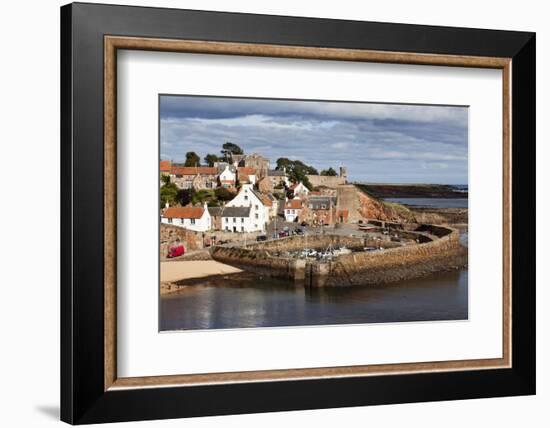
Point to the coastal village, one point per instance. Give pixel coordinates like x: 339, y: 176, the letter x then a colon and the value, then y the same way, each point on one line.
x: 255, y: 231
x: 290, y: 221
x: 244, y: 194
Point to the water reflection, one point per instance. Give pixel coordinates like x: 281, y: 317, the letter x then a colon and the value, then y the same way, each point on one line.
x: 248, y: 300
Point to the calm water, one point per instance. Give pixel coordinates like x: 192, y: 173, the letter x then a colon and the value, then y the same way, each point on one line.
x: 432, y: 202
x: 248, y: 300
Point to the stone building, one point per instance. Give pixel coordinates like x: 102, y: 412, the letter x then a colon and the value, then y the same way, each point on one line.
x: 278, y: 177
x: 216, y: 217
x: 320, y: 210
x: 328, y: 180
x: 265, y: 185
x: 256, y: 161
x: 197, y: 177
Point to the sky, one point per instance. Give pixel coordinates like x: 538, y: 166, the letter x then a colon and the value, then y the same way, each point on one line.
x: 378, y: 143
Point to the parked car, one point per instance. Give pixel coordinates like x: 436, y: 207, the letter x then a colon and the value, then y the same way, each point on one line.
x: 298, y: 231
x: 304, y: 224
x: 283, y: 233
x: 175, y: 251
x: 261, y: 238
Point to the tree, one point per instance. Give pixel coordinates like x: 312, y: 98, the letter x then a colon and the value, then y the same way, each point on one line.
x: 297, y: 170
x: 210, y: 159
x: 329, y: 172
x: 185, y: 196
x: 222, y: 194
x: 192, y: 159
x: 229, y: 149
x: 202, y: 196
x: 165, y: 178
x: 168, y: 193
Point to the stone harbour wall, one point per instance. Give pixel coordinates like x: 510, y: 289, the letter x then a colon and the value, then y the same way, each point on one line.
x: 396, y: 264
x: 358, y: 268
x: 294, y: 243
x: 170, y: 235
x: 260, y: 261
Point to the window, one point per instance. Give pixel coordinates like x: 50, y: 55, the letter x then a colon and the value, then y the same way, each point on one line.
x: 234, y: 220
x: 242, y: 219
x: 256, y: 216
x: 170, y: 220
x: 256, y: 207
x: 192, y: 221
x: 242, y: 228
x: 245, y: 197
x: 226, y: 220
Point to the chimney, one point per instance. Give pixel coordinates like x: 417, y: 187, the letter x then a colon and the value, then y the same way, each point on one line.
x: 166, y: 205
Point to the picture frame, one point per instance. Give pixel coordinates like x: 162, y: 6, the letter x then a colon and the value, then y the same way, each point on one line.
x: 91, y: 391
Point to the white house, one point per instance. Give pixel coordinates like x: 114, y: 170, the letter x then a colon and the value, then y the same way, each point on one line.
x: 299, y: 189
x: 228, y: 177
x: 192, y: 218
x: 259, y: 212
x: 239, y: 219
x: 293, y: 208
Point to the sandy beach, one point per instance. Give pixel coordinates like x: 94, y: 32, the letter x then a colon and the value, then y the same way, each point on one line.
x: 175, y: 271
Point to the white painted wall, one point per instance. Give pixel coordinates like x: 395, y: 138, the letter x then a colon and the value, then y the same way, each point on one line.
x: 291, y: 214
x: 301, y: 190
x: 259, y: 213
x: 242, y: 224
x: 202, y: 224
x: 227, y: 174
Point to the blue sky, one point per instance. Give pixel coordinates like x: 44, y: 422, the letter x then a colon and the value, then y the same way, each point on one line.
x: 386, y: 143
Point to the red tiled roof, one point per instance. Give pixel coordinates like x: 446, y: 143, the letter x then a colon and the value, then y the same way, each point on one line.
x: 294, y: 204
x: 247, y: 170
x: 183, y: 212
x: 243, y: 178
x: 194, y: 170
x: 165, y: 166
x: 266, y: 201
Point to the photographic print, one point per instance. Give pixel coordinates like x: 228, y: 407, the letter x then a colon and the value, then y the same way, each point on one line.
x: 281, y: 212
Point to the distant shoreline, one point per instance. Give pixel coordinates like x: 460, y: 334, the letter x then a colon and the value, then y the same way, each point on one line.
x: 383, y: 191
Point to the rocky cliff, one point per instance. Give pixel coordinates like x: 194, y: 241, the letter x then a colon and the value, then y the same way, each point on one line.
x: 361, y: 205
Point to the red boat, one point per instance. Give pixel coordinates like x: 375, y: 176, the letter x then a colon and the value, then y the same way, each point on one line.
x: 175, y: 251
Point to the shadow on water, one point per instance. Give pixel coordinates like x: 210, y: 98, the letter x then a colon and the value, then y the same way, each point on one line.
x: 249, y: 300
